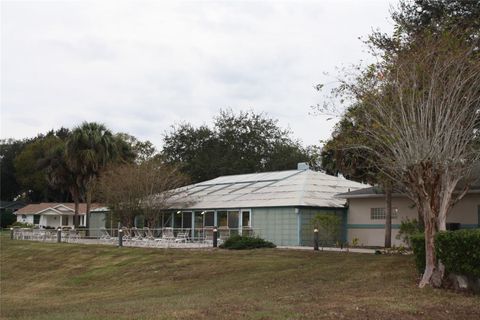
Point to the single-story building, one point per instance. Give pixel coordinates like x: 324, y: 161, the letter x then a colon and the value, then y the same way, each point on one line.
x: 277, y: 206
x: 366, y: 214
x: 54, y: 215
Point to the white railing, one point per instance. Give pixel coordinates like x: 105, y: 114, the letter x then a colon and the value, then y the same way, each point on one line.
x: 136, y: 237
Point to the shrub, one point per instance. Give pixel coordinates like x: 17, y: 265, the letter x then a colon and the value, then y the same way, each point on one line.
x: 459, y: 251
x: 417, y: 242
x: 7, y: 218
x: 329, y: 227
x: 244, y: 242
x: 22, y: 224
x: 394, y: 250
x: 408, y: 228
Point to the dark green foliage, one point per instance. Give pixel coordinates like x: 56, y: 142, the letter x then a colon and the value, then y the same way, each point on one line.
x: 30, y: 172
x: 7, y: 218
x: 238, y: 143
x: 329, y: 227
x: 346, y: 153
x: 9, y: 149
x: 418, y: 245
x: 408, y: 228
x: 244, y: 243
x: 459, y: 251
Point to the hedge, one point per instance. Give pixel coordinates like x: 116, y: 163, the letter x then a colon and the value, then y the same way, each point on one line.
x: 417, y: 242
x: 459, y: 251
x: 244, y: 242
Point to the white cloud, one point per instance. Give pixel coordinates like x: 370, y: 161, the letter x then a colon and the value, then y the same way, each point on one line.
x: 139, y: 67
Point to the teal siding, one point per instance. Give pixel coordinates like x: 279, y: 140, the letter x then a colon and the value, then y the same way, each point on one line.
x: 306, y: 226
x: 97, y: 220
x: 371, y: 226
x: 278, y: 225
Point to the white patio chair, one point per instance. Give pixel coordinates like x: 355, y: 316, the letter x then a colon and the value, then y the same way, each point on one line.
x: 150, y: 239
x: 167, y: 237
x: 127, y: 236
x: 73, y: 235
x: 104, y: 235
x: 208, y: 235
x: 182, y: 236
x: 139, y: 237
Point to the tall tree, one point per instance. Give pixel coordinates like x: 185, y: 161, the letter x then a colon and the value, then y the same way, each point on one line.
x: 237, y: 143
x: 346, y: 153
x: 426, y: 112
x: 132, y: 149
x: 145, y: 188
x: 413, y: 21
x: 29, y: 172
x: 10, y: 187
x: 90, y: 147
x: 58, y: 174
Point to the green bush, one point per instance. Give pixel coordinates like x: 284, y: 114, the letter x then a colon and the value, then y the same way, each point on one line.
x: 22, y: 224
x: 7, y: 218
x: 417, y: 243
x: 244, y: 242
x: 459, y: 251
x: 408, y: 228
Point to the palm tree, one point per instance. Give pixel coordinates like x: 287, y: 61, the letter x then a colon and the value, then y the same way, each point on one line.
x: 90, y: 147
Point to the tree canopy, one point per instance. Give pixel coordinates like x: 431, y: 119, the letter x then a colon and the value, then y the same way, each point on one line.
x: 420, y: 108
x: 36, y: 169
x: 243, y: 142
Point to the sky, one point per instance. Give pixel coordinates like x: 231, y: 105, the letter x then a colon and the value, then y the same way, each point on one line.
x: 141, y: 67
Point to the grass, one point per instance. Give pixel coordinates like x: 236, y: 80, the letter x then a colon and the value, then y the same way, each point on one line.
x: 67, y: 281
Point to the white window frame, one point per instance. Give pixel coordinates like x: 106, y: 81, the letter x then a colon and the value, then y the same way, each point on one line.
x: 380, y: 213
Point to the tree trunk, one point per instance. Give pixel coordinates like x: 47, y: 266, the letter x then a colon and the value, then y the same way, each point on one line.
x: 87, y: 211
x: 429, y: 255
x: 430, y: 258
x: 76, y: 200
x: 388, y: 216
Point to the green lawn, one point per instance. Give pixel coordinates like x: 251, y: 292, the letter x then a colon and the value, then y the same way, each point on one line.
x: 66, y: 281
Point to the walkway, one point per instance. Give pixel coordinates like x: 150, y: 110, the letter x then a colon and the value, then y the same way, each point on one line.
x: 355, y: 250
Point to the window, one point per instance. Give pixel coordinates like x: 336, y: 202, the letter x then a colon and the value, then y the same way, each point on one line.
x: 64, y: 220
x: 379, y: 213
x: 198, y: 220
x: 36, y: 219
x: 245, y: 218
x: 138, y: 221
x: 177, y: 220
x: 166, y: 219
x: 209, y: 219
x: 222, y: 218
x: 233, y: 219
x: 24, y: 217
x: 187, y: 220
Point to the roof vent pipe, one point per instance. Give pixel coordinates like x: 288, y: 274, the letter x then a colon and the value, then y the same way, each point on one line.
x: 303, y: 166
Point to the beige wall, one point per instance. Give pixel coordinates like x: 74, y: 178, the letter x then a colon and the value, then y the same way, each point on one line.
x: 371, y: 232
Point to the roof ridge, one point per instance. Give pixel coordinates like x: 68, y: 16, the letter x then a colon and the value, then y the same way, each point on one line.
x: 301, y: 194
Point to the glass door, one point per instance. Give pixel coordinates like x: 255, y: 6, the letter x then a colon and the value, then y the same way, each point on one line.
x: 233, y: 222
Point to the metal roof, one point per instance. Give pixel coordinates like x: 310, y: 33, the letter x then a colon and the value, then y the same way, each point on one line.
x: 36, y: 208
x: 267, y: 189
x: 377, y: 192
